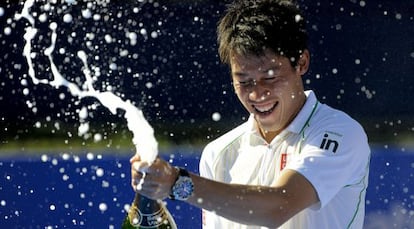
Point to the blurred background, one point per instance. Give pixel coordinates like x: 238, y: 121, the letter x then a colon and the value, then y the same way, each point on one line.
x: 162, y: 56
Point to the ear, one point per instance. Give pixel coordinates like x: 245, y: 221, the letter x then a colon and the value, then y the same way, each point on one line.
x: 303, y: 63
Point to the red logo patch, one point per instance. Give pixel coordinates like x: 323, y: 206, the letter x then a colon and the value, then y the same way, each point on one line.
x: 283, y: 161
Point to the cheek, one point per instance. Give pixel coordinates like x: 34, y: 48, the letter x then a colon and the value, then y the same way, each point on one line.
x: 240, y: 95
x: 243, y: 98
x: 282, y: 85
x: 284, y: 89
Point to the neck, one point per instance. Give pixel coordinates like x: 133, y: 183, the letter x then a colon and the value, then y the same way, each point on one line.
x: 268, y: 135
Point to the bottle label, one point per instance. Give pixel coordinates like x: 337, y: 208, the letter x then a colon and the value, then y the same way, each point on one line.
x: 152, y: 220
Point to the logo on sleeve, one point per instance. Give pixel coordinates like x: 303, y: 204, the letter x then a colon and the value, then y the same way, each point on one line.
x: 283, y: 161
x: 329, y: 142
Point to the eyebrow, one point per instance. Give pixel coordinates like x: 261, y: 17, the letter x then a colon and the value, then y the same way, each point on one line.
x: 271, y: 68
x: 243, y: 74
x: 240, y: 74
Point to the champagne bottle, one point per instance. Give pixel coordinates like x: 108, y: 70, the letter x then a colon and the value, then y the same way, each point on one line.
x: 149, y: 214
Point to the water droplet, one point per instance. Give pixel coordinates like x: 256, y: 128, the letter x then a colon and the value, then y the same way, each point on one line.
x: 38, y: 125
x: 398, y: 16
x: 90, y: 156
x: 154, y: 34
x: 65, y: 177
x: 311, y: 159
x: 113, y: 66
x: 97, y: 137
x: 67, y: 18
x: 43, y: 17
x: 216, y: 116
x: 53, y: 26
x: 200, y: 200
x: 26, y: 91
x: 108, y: 38
x: 99, y: 172
x: 44, y: 158
x: 86, y: 13
x: 103, y: 207
x: 7, y: 30
x: 298, y: 18
x: 65, y: 156
x: 149, y: 85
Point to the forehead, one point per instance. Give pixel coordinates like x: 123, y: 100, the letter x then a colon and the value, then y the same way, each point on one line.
x: 255, y: 62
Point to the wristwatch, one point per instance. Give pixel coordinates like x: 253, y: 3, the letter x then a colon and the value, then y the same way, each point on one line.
x: 183, y: 187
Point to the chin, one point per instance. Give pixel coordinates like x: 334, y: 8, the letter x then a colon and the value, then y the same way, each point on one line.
x: 269, y: 124
x: 268, y: 127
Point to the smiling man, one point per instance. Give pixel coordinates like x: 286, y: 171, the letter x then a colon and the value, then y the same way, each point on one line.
x: 295, y: 163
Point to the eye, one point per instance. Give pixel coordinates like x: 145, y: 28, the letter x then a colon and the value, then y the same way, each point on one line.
x: 270, y: 79
x: 245, y: 83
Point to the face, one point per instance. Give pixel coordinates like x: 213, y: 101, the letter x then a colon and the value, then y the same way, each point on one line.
x: 270, y: 88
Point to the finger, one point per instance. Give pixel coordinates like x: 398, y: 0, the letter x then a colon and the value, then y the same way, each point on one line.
x: 136, y: 175
x: 152, y: 191
x: 134, y: 184
x: 154, y: 186
x: 158, y: 166
x: 134, y: 158
x: 135, y: 179
x: 140, y: 166
x: 144, y: 187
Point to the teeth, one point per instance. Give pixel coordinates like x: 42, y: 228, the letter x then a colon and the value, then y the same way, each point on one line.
x: 264, y: 108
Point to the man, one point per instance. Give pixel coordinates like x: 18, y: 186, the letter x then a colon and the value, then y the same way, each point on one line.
x: 296, y: 163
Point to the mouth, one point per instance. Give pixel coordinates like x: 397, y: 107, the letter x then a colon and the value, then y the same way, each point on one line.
x: 265, y: 109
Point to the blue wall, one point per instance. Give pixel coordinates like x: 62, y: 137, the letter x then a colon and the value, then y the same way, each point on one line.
x: 67, y: 191
x: 362, y: 61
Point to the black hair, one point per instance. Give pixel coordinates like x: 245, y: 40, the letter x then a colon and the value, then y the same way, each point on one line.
x: 252, y: 26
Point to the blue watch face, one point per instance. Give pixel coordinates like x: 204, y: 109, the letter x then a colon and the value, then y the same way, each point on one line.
x: 183, y: 188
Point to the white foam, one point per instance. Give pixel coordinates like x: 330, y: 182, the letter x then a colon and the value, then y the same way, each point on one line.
x: 143, y: 134
x: 83, y: 113
x: 83, y: 129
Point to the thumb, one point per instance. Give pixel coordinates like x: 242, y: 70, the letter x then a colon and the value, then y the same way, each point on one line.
x: 140, y: 166
x: 135, y: 158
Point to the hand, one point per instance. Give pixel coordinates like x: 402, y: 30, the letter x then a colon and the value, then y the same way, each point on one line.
x: 156, y: 179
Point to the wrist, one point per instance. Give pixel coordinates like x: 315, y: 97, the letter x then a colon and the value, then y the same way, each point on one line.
x: 183, y: 187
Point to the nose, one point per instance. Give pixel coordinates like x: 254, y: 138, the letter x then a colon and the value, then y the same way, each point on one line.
x: 258, y: 92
